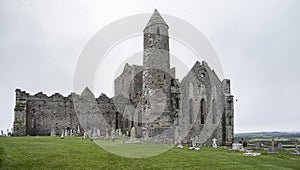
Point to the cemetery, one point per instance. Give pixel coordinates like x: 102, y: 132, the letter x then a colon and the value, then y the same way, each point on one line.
x: 76, y: 153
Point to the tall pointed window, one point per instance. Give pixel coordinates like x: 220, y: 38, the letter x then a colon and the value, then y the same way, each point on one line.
x: 140, y: 119
x: 214, y: 112
x: 202, y: 111
x: 117, y: 120
x: 191, y: 110
x: 126, y: 123
x: 132, y: 120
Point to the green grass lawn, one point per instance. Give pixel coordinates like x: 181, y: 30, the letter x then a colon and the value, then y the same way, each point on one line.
x: 75, y: 153
x: 133, y: 150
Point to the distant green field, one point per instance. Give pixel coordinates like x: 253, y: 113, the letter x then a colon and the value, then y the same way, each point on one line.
x: 75, y: 153
x: 269, y: 139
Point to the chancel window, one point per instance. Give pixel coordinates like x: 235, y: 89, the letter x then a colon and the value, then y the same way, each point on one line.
x: 214, y: 112
x: 191, y: 110
x: 202, y: 111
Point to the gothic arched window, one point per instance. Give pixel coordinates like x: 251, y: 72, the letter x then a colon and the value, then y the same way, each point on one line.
x: 117, y: 120
x: 202, y: 111
x: 140, y: 119
x: 191, y: 110
x: 132, y: 120
x: 214, y: 112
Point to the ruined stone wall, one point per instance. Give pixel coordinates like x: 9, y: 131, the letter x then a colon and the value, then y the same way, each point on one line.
x: 20, y: 113
x: 202, y: 104
x: 128, y: 91
x: 111, y: 117
x: 228, y: 117
x: 40, y: 115
x: 43, y: 112
x: 123, y: 82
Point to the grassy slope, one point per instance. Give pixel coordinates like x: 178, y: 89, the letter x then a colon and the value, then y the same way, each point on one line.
x: 70, y: 153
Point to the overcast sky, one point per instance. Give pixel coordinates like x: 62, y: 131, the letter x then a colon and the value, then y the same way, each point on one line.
x: 257, y: 42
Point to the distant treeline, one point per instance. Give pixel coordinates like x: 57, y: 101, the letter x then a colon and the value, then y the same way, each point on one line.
x: 267, y: 135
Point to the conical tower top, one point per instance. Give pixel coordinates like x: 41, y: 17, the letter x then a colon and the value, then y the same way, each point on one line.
x: 156, y: 19
x: 156, y: 44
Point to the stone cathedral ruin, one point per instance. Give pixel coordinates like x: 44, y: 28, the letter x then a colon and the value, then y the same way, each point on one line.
x: 148, y: 98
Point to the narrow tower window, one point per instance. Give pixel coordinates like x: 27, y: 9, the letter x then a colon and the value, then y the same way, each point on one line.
x: 191, y: 110
x: 140, y: 119
x: 132, y: 120
x: 117, y: 120
x: 214, y: 112
x: 157, y: 30
x: 202, y: 111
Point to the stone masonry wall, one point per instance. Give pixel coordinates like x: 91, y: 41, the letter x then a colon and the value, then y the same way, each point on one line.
x: 39, y: 114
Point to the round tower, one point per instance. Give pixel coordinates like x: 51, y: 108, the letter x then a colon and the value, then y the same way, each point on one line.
x: 156, y: 43
x: 157, y: 76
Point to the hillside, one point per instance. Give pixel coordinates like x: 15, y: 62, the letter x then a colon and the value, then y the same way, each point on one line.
x: 75, y: 153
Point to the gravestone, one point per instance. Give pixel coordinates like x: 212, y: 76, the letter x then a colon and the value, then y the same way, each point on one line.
x: 272, y: 148
x: 120, y: 132
x: 197, y: 145
x: 192, y: 143
x: 113, y: 134
x: 66, y: 132
x: 214, y: 145
x: 179, y: 145
x: 8, y: 133
x: 117, y: 132
x: 98, y: 132
x: 237, y: 147
x: 197, y: 148
x: 62, y: 134
x: 251, y: 154
x: 133, y: 138
x: 279, y: 146
x: 132, y: 133
x: 78, y: 130
x: 296, y: 150
x: 146, y: 134
x: 53, y: 130
x: 106, y: 135
x: 84, y: 135
x: 94, y: 134
x: 257, y: 145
